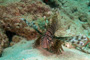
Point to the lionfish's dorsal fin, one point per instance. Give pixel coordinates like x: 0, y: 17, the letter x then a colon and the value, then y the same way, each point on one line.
x: 54, y: 21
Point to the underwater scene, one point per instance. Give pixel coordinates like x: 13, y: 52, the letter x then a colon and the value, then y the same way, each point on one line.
x: 44, y: 29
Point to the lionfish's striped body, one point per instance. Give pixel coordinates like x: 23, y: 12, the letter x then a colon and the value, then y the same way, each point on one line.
x: 47, y: 38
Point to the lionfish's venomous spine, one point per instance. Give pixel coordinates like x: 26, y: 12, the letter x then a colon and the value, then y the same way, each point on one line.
x: 32, y: 24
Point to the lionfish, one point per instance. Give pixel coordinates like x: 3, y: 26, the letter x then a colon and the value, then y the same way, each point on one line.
x: 47, y: 40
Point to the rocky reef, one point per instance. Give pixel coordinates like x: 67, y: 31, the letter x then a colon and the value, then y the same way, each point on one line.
x: 11, y: 15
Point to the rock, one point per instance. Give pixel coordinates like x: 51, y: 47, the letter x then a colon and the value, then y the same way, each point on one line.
x: 16, y: 39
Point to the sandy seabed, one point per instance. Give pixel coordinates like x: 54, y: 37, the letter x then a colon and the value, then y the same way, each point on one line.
x: 24, y: 51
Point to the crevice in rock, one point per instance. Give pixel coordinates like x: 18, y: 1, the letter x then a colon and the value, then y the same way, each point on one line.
x: 69, y: 27
x: 0, y: 54
x: 10, y: 35
x: 82, y: 18
x: 88, y: 4
x: 52, y: 4
x: 74, y: 10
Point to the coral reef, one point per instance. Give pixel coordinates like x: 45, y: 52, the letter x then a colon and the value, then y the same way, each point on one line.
x: 19, y: 27
x: 10, y: 20
x: 11, y: 15
x: 73, y: 19
x: 37, y: 9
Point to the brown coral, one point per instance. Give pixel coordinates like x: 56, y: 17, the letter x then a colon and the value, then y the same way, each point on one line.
x: 19, y: 9
x: 19, y: 27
